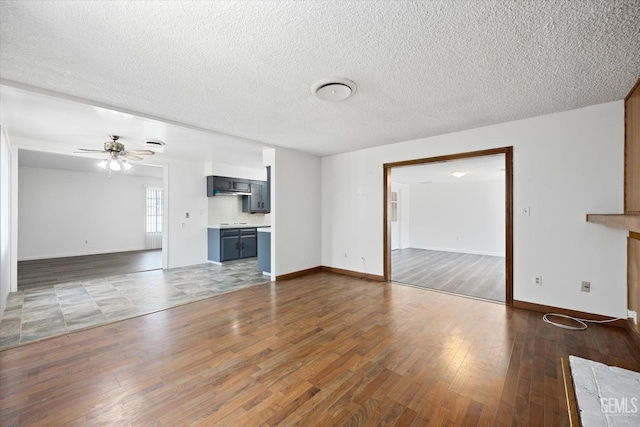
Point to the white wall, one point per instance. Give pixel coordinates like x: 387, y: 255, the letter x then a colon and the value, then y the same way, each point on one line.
x: 295, y: 211
x: 5, y: 220
x: 186, y: 192
x: 68, y: 213
x: 565, y: 165
x: 467, y: 217
x: 234, y: 171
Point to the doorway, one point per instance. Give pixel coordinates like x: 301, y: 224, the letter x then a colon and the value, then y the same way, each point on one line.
x: 79, y: 222
x: 448, y: 223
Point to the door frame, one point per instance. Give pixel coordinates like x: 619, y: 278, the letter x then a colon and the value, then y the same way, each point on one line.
x: 508, y: 160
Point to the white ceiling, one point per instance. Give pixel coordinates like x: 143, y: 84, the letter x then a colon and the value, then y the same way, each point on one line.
x: 44, y: 160
x: 245, y: 69
x: 483, y: 168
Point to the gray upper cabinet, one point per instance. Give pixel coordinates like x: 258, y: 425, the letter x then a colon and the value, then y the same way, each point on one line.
x: 256, y: 194
x: 258, y: 201
x: 223, y: 184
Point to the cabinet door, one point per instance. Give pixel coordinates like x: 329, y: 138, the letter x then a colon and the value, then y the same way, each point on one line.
x: 222, y: 183
x: 264, y: 252
x: 230, y: 247
x: 256, y: 197
x: 249, y: 246
x: 260, y: 197
x: 213, y: 243
x: 266, y: 202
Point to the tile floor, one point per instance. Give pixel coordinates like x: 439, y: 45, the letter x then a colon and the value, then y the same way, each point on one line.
x: 37, y: 313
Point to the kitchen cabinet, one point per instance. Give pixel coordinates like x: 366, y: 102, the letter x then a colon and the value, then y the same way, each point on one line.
x: 232, y: 243
x: 258, y: 201
x: 223, y: 184
x: 264, y: 250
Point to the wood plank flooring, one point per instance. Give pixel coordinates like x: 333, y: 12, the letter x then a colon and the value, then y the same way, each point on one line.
x: 477, y: 276
x: 54, y: 271
x: 321, y: 350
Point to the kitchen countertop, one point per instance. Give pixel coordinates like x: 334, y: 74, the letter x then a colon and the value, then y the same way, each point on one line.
x: 237, y: 225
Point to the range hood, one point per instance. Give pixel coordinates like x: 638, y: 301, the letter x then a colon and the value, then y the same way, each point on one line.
x: 220, y: 192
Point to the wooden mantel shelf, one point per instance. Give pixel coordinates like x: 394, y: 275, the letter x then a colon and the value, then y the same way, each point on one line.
x: 623, y: 221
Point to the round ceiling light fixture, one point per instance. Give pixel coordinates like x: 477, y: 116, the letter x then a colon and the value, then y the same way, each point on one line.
x: 333, y: 89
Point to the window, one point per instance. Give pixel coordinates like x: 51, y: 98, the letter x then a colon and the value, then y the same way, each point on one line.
x: 154, y: 210
x: 394, y: 206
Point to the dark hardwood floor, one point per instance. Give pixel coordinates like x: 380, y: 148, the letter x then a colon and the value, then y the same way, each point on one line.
x: 54, y: 271
x: 477, y: 276
x: 320, y: 350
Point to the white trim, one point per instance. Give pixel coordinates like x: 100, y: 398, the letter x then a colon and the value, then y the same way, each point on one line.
x: 165, y: 216
x: 462, y: 251
x: 71, y: 254
x: 14, y: 217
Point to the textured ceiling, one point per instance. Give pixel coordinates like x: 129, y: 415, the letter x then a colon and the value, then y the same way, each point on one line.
x: 245, y: 68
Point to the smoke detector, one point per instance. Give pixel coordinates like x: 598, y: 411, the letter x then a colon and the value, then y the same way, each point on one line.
x: 333, y: 89
x: 154, y: 144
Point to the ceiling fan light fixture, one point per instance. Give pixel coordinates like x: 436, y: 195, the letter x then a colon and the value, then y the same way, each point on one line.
x: 117, y: 154
x: 458, y: 174
x: 114, y: 165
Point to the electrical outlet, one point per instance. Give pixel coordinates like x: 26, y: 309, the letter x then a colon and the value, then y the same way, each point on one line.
x: 631, y: 314
x: 537, y: 280
x: 586, y: 286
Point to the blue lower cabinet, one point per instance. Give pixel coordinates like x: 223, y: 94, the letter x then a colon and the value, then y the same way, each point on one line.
x: 264, y: 251
x: 231, y: 243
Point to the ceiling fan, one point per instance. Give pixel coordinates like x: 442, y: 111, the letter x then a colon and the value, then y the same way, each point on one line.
x: 117, y: 154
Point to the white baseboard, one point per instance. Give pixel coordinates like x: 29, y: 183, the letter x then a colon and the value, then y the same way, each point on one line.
x: 70, y: 254
x: 462, y: 251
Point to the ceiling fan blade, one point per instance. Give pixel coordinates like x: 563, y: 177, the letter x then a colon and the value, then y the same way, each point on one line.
x: 88, y: 150
x: 141, y: 152
x: 131, y: 157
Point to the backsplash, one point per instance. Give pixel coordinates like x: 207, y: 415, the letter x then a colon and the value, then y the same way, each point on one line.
x: 228, y: 209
